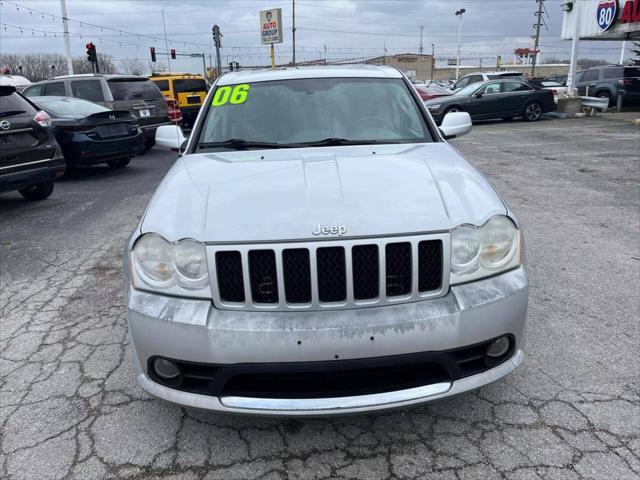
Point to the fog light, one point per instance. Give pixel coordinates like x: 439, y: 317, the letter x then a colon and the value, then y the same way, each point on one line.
x: 166, y: 369
x: 498, y: 347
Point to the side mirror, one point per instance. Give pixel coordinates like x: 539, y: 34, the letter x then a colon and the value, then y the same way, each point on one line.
x: 478, y: 95
x: 171, y: 137
x: 455, y: 124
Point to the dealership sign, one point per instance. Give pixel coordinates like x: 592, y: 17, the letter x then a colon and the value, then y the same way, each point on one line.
x: 601, y: 19
x: 630, y: 12
x: 271, y: 26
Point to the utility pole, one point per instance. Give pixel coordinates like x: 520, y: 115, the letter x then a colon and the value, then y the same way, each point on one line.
x: 325, y: 54
x: 421, y: 29
x: 459, y: 15
x: 539, y: 22
x: 65, y: 32
x: 293, y: 31
x: 624, y: 46
x: 433, y: 60
x: 166, y: 42
x: 218, y: 43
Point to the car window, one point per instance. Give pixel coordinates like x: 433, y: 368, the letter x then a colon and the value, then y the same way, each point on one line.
x: 504, y: 75
x: 87, y: 89
x: 13, y: 102
x: 34, y: 91
x: 54, y: 89
x: 133, y: 89
x: 490, y: 88
x: 70, y: 106
x: 550, y: 83
x: 475, y: 79
x: 463, y: 82
x: 311, y: 110
x: 162, y: 84
x: 189, y: 85
x: 516, y: 87
x: 589, y: 76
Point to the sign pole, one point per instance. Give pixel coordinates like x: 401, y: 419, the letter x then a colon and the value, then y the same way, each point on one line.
x: 571, y: 78
x: 273, y: 57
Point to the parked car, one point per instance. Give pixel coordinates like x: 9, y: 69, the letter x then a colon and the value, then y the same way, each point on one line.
x: 89, y: 133
x: 609, y: 81
x: 188, y: 91
x: 136, y: 94
x: 427, y: 92
x: 477, y: 77
x: 30, y: 159
x: 556, y: 88
x: 561, y: 79
x: 507, y: 98
x: 313, y: 252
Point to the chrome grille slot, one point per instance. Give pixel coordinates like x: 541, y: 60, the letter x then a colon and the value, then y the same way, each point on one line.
x: 329, y: 274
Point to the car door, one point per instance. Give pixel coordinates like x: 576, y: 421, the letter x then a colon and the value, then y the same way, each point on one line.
x: 587, y: 83
x: 515, y: 96
x: 486, y: 102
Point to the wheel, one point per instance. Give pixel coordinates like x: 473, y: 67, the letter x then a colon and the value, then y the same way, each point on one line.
x: 452, y: 109
x: 118, y: 163
x: 606, y: 95
x: 149, y: 143
x: 37, y: 192
x: 532, y: 112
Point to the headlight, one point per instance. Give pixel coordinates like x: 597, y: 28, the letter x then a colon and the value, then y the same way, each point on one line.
x: 178, y: 268
x: 480, y: 252
x: 434, y: 107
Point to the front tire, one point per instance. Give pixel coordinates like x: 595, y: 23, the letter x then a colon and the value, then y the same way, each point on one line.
x: 37, y: 192
x: 118, y: 163
x: 606, y: 95
x: 532, y: 112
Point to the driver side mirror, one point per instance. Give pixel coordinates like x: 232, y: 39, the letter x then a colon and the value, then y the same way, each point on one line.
x: 455, y: 124
x: 171, y: 137
x: 478, y: 95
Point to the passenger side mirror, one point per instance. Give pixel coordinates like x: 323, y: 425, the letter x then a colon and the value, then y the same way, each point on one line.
x: 171, y: 137
x: 455, y: 124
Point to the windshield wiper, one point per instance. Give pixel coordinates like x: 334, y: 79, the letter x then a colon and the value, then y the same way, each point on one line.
x: 240, y: 144
x: 336, y: 141
x: 11, y: 112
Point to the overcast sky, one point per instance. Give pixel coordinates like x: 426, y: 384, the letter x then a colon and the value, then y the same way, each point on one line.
x: 348, y: 29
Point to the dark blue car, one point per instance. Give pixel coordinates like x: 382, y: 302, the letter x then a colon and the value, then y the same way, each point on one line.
x: 89, y: 133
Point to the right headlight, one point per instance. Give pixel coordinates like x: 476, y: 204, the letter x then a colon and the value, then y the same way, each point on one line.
x: 178, y: 268
x: 478, y: 252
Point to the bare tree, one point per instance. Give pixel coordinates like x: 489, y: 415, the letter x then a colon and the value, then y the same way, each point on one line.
x: 635, y: 49
x: 157, y: 67
x: 35, y: 66
x: 132, y: 66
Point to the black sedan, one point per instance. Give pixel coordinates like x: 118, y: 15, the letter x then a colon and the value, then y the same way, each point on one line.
x: 89, y: 133
x: 507, y: 98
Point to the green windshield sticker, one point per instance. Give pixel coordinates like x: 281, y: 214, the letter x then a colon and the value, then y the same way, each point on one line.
x: 234, y: 95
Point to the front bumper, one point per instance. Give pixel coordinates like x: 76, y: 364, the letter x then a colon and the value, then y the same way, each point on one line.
x: 194, y: 331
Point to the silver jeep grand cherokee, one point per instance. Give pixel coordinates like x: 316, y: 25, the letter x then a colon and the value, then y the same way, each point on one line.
x: 319, y: 248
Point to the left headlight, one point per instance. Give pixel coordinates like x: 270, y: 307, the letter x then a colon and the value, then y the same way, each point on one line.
x: 478, y: 252
x: 178, y: 268
x: 435, y: 106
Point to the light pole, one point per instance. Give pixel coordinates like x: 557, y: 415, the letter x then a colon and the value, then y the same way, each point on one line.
x: 459, y: 15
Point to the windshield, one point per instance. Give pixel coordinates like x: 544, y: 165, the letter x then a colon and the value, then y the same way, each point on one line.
x: 303, y: 111
x: 189, y: 85
x: 70, y: 106
x: 468, y: 90
x: 134, y: 89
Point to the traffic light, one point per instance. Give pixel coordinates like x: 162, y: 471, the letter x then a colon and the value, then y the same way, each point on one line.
x: 153, y: 53
x: 92, y: 56
x: 216, y: 36
x: 173, y: 54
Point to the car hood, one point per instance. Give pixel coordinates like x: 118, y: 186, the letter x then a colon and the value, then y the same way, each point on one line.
x: 284, y: 194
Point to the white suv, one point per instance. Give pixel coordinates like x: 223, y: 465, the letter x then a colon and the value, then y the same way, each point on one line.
x: 481, y: 77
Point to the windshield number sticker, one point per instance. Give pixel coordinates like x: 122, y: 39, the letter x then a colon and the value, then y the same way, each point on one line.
x: 236, y: 95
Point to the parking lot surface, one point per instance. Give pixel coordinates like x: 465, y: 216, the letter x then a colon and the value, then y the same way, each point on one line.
x: 70, y: 406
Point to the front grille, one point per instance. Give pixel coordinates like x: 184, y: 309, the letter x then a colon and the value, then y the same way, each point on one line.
x: 330, y: 274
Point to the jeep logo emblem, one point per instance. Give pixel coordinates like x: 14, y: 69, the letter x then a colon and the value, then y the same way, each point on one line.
x: 339, y: 230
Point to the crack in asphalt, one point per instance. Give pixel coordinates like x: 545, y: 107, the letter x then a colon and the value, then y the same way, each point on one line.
x: 70, y: 406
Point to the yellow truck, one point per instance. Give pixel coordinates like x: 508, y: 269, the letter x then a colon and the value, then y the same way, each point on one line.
x: 189, y: 91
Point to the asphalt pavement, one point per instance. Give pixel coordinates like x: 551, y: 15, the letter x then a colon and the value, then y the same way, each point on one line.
x: 70, y: 406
